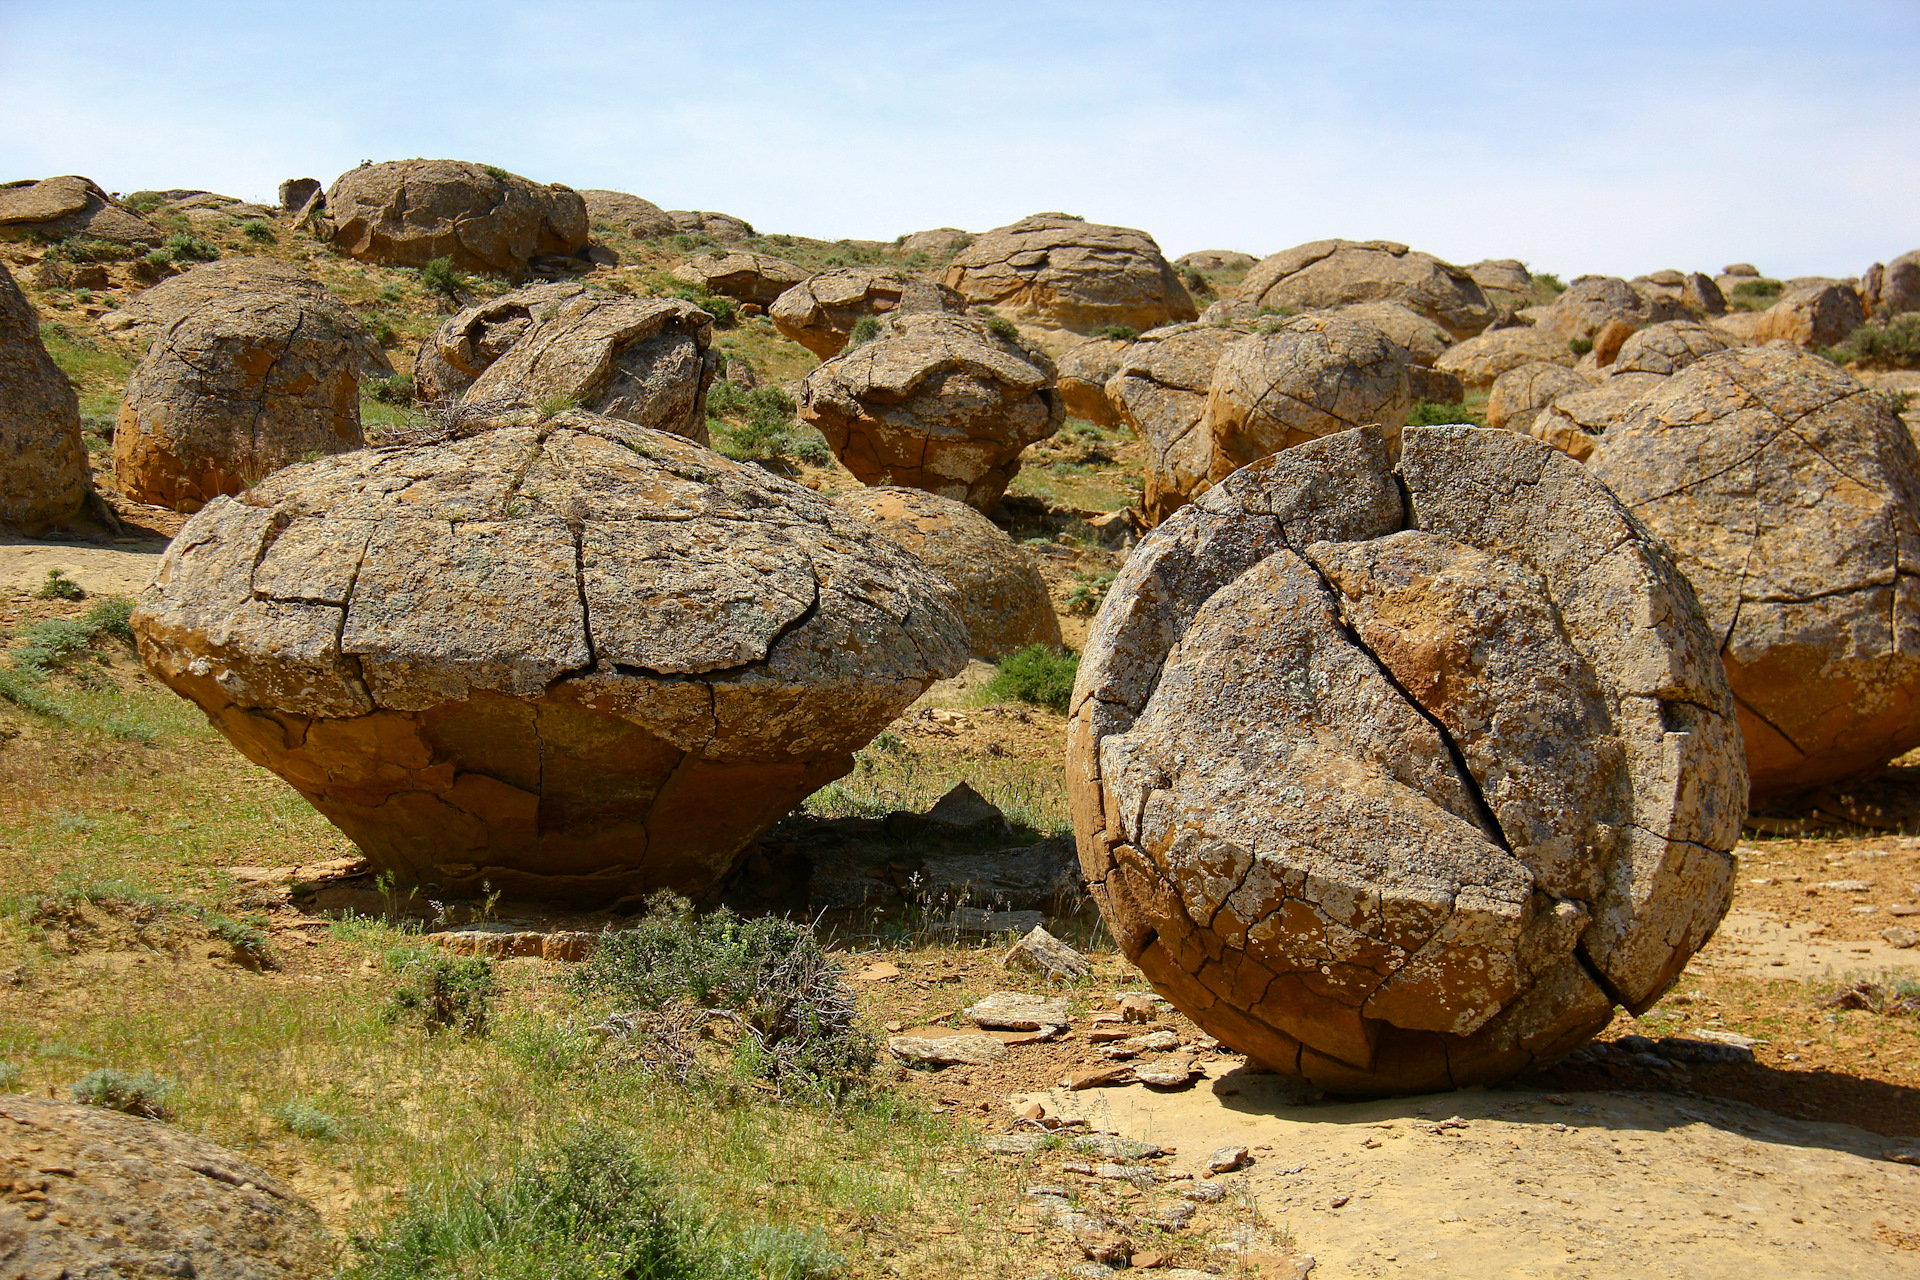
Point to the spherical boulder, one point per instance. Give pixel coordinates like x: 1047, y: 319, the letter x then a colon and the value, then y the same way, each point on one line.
x: 1307, y: 377
x: 43, y: 460
x: 1788, y: 493
x: 56, y: 208
x: 1816, y: 316
x: 1160, y: 391
x: 1894, y: 288
x: 939, y: 244
x: 758, y: 278
x: 1519, y: 394
x: 701, y: 222
x: 1003, y: 599
x: 944, y: 403
x: 820, y: 312
x: 236, y: 388
x: 1589, y: 303
x: 1667, y: 348
x: 1424, y: 340
x: 1334, y: 273
x: 641, y: 219
x: 466, y: 343
x: 406, y: 213
x: 576, y: 659
x: 1397, y: 774
x: 1216, y: 260
x: 1480, y: 360
x: 151, y: 311
x: 1052, y: 269
x: 1501, y: 275
x: 1574, y: 421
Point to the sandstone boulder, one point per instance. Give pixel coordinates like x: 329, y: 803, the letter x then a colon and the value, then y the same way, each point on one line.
x: 1667, y: 347
x: 1700, y: 294
x: 236, y: 388
x: 43, y: 461
x: 1479, y: 361
x: 1307, y: 377
x: 122, y: 1196
x: 55, y: 208
x: 467, y: 342
x: 1591, y: 301
x: 1787, y: 491
x: 1083, y: 374
x: 1055, y: 270
x: 406, y: 213
x: 1003, y: 599
x: 641, y: 219
x: 1160, y: 391
x: 648, y: 361
x: 745, y: 277
x: 1334, y: 273
x: 1519, y: 394
x: 150, y: 312
x: 819, y: 313
x: 577, y: 660
x: 297, y: 195
x: 1424, y: 340
x: 1396, y: 773
x: 939, y: 245
x: 936, y: 402
x: 1574, y: 421
x: 723, y: 227
x: 1813, y: 317
x: 1217, y: 260
x: 1894, y: 288
x: 1504, y: 275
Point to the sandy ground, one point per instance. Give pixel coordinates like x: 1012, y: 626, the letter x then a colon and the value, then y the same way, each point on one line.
x: 119, y: 568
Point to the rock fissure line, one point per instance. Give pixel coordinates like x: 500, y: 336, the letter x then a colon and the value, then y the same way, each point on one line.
x: 1784, y: 736
x: 1600, y: 979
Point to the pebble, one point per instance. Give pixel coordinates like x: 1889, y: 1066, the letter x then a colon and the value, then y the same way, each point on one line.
x: 1227, y: 1159
x: 1846, y: 886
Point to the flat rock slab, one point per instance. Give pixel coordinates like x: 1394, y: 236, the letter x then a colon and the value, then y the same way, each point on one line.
x: 1017, y: 1011
x: 1040, y: 952
x: 504, y: 941
x: 947, y: 1051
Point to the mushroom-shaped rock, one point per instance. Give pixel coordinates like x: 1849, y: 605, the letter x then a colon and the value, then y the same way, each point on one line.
x: 406, y: 213
x: 1816, y: 316
x: 1397, y: 774
x: 1308, y: 377
x: 1333, y: 273
x: 641, y: 219
x: 1667, y: 348
x: 577, y: 660
x: 1479, y: 361
x: 1003, y: 599
x: 1788, y: 493
x: 240, y: 386
x: 721, y: 226
x: 466, y: 343
x: 43, y: 461
x: 745, y: 277
x: 1590, y: 302
x: 134, y: 1197
x: 55, y: 208
x: 1055, y: 270
x: 150, y: 312
x: 1083, y: 374
x: 1519, y: 394
x: 1160, y: 391
x: 819, y: 313
x: 936, y: 402
x: 648, y: 361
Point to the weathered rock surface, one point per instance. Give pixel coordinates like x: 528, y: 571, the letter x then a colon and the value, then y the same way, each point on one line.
x: 1479, y: 361
x: 721, y: 226
x: 648, y: 361
x: 1667, y: 348
x: 97, y: 1193
x: 939, y: 244
x: 1019, y: 1011
x: 1574, y: 421
x: 1505, y: 275
x: 1002, y: 597
x: 297, y: 195
x: 1788, y: 491
x: 819, y: 313
x: 1056, y: 270
x: 578, y: 660
x: 1424, y: 340
x: 235, y: 389
x: 1813, y: 317
x: 641, y: 219
x: 1590, y: 302
x: 1519, y: 394
x: 1894, y: 288
x: 43, y: 461
x: 70, y: 206
x: 1217, y: 260
x: 758, y: 278
x: 1042, y: 953
x: 150, y: 312
x: 1334, y: 273
x: 405, y: 213
x: 937, y: 402
x: 1083, y: 375
x: 965, y: 1050
x: 1160, y: 390
x: 1396, y: 774
x: 1308, y: 377
x: 468, y: 342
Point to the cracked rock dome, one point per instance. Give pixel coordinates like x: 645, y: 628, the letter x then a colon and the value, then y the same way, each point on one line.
x: 576, y: 660
x: 1398, y: 769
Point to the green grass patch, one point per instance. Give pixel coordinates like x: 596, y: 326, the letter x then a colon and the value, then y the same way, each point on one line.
x: 1038, y: 675
x: 1889, y: 344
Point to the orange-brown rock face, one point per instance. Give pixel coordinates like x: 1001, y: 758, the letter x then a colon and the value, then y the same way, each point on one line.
x: 1335, y: 273
x: 1400, y: 773
x: 43, y: 461
x: 406, y: 213
x: 820, y: 312
x: 578, y: 660
x: 1055, y: 270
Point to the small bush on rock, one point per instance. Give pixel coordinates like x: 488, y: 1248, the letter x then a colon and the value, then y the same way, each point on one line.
x: 258, y: 229
x: 1428, y: 413
x: 864, y: 330
x: 136, y: 1093
x: 190, y: 248
x: 1038, y: 675
x: 1580, y: 346
x: 1119, y: 332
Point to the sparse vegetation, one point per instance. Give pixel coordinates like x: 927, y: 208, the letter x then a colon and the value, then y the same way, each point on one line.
x: 1038, y: 675
x: 305, y: 1120
x: 59, y: 586
x: 1580, y: 346
x: 1118, y: 332
x: 443, y: 993
x: 258, y: 230
x: 1881, y: 344
x: 759, y: 426
x: 864, y: 330
x: 1001, y: 327
x: 1428, y: 413
x: 136, y: 1093
x: 495, y: 172
x: 439, y: 277
x: 185, y: 247
x: 395, y: 390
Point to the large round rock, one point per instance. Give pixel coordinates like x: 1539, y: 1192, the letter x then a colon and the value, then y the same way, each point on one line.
x: 43, y: 460
x: 758, y: 278
x: 820, y: 312
x: 1055, y: 270
x: 936, y: 402
x: 579, y: 660
x: 1788, y: 493
x: 1398, y: 774
x: 1002, y: 596
x: 470, y: 340
x: 405, y: 213
x: 1334, y: 273
x: 1160, y: 390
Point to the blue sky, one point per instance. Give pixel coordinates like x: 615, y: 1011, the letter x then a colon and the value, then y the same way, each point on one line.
x: 1590, y: 137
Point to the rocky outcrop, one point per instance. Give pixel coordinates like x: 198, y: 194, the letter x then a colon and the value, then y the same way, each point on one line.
x: 1591, y: 302
x: 939, y: 245
x: 56, y: 208
x: 1334, y: 273
x: 406, y: 213
x: 1083, y: 374
x: 1787, y: 491
x: 1425, y: 341
x: 97, y: 1193
x: 1217, y: 260
x: 43, y: 461
x: 819, y: 313
x: 723, y: 227
x: 1519, y: 394
x: 1397, y: 774
x: 1479, y: 361
x: 1501, y: 275
x: 1667, y: 348
x: 1573, y: 417
x: 466, y: 343
x: 1574, y: 421
x: 745, y: 277
x: 1051, y: 269
x: 1814, y: 317
x: 1003, y: 599
x: 577, y: 660
x: 1892, y: 289
x: 629, y: 215
x: 238, y: 387
x: 1160, y: 391
x: 1305, y: 378
x: 936, y: 402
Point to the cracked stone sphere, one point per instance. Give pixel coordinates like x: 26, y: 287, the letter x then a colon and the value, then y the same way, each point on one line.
x: 469, y: 341
x: 1788, y: 493
x: 821, y: 311
x: 1399, y: 773
x: 576, y: 660
x: 1052, y: 269
x: 1160, y: 391
x: 406, y: 213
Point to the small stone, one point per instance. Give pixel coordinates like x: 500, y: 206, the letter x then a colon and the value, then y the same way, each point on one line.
x: 1155, y: 1042
x: 1109, y: 1147
x: 1338, y: 1202
x: 1138, y: 1009
x: 1227, y: 1159
x: 1168, y: 1073
x: 1124, y: 1173
x: 1032, y: 1111
x: 1846, y: 886
x: 1204, y: 1192
x: 1716, y: 1037
x: 1118, y: 1073
x: 1901, y: 936
x: 880, y: 971
x: 1017, y: 1011
x: 1016, y: 1144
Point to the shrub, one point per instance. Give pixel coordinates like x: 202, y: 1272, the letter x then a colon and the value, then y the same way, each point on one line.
x: 447, y: 993
x: 438, y: 276
x: 1429, y: 413
x: 1580, y: 346
x: 59, y: 586
x: 111, y: 617
x: 495, y: 172
x: 1892, y: 344
x: 1753, y: 289
x: 864, y: 330
x: 725, y: 314
x: 184, y: 246
x: 1089, y: 593
x: 9, y: 1077
x: 249, y: 942
x: 395, y: 390
x: 258, y: 229
x: 558, y: 403
x: 138, y: 1094
x: 1549, y: 281
x: 1001, y: 327
x: 1038, y: 675
x: 86, y: 249
x: 1122, y: 332
x: 304, y: 1120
